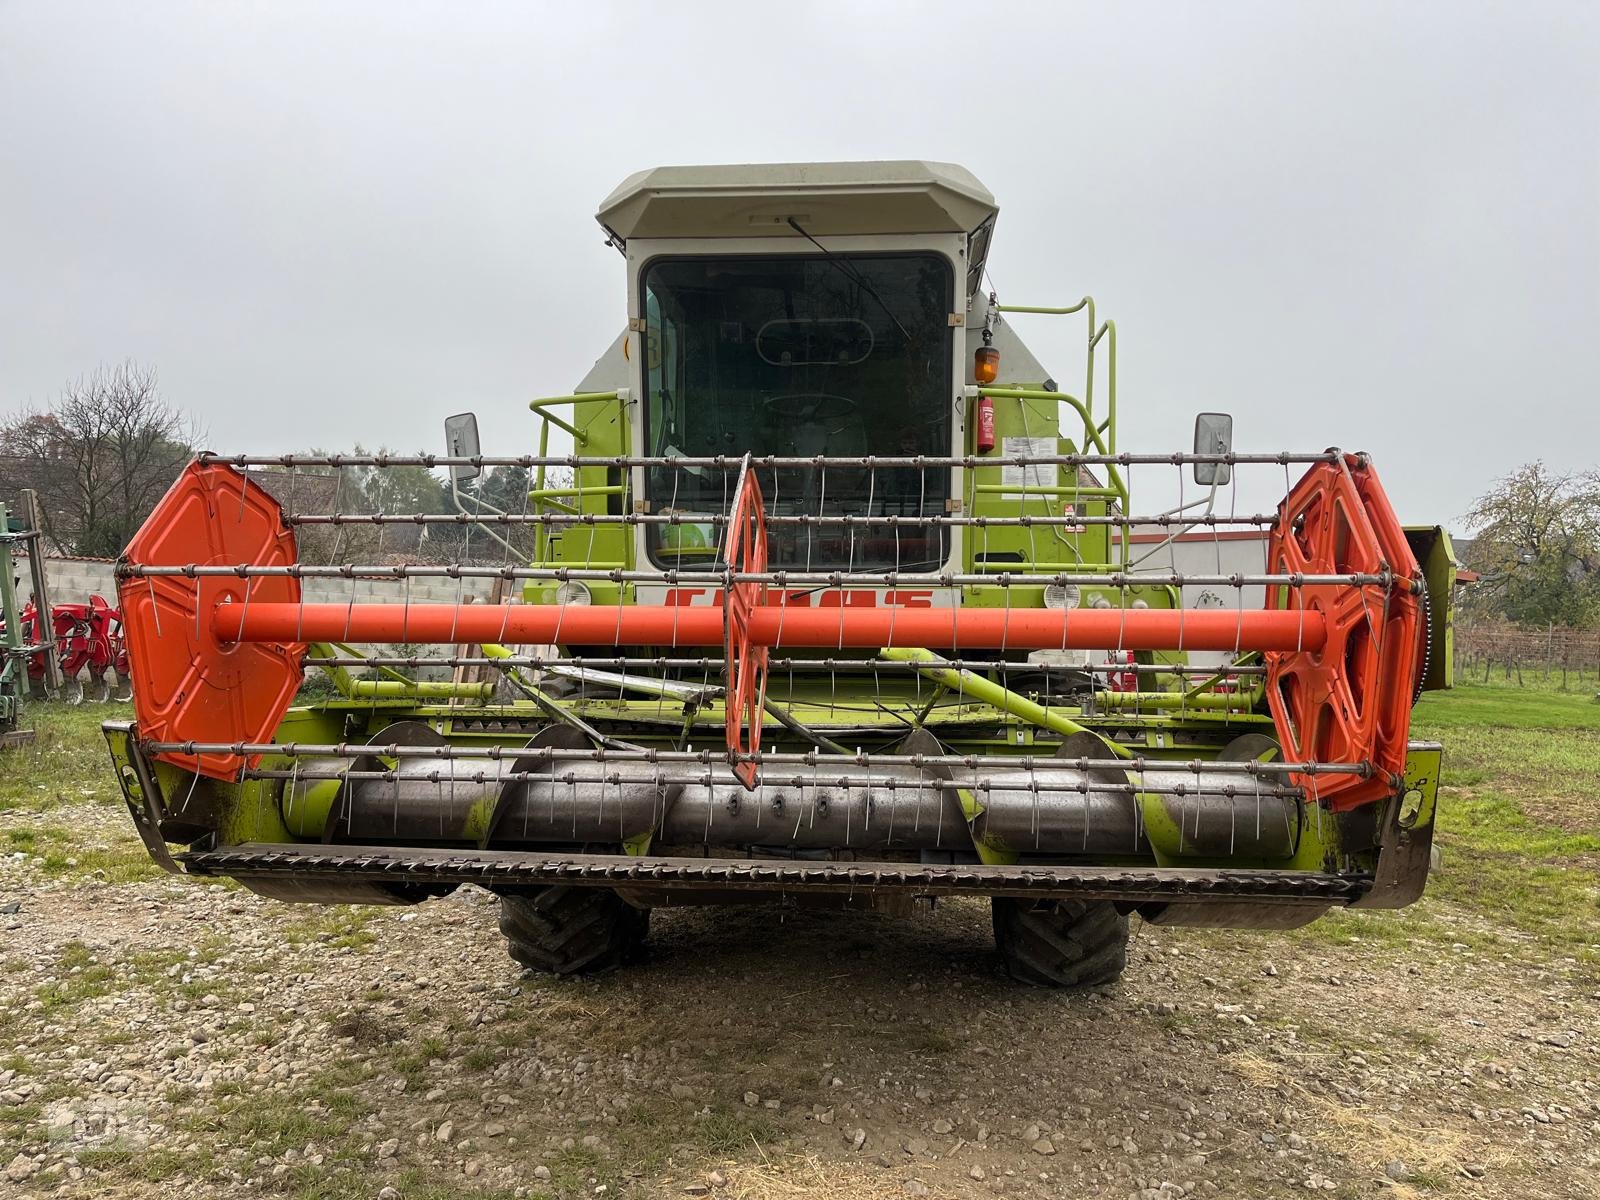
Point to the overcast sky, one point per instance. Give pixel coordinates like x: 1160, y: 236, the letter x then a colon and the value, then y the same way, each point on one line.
x: 1376, y: 226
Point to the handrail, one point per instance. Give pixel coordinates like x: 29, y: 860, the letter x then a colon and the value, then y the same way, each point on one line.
x: 539, y: 406
x: 1107, y: 330
x: 599, y: 489
x: 1097, y: 331
x: 541, y: 496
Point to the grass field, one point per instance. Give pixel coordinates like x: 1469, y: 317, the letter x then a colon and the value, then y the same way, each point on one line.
x: 1520, y: 822
x: 66, y: 763
x: 67, y: 768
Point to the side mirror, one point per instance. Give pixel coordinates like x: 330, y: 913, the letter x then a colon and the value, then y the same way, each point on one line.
x: 461, y: 441
x: 1213, y: 434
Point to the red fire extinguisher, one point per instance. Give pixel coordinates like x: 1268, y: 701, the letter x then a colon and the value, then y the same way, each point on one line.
x: 1123, y: 681
x: 985, y: 435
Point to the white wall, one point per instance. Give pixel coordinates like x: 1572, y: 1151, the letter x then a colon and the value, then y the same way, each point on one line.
x: 74, y: 580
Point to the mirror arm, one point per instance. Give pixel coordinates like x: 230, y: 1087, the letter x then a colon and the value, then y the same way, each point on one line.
x: 457, y: 499
x: 1209, y: 501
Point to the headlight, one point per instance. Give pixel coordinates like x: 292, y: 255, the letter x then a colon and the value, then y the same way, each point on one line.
x: 573, y: 592
x: 1060, y: 595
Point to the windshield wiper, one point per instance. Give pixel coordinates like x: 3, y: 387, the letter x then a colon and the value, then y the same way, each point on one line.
x: 847, y: 269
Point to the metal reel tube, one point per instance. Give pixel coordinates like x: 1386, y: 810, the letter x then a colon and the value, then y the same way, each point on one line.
x: 907, y: 815
x: 1217, y: 815
x: 1060, y: 812
x: 425, y: 804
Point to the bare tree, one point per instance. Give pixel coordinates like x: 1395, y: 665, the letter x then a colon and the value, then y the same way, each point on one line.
x: 100, y: 456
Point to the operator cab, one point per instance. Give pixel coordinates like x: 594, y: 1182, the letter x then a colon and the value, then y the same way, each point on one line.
x: 801, y: 310
x: 799, y: 356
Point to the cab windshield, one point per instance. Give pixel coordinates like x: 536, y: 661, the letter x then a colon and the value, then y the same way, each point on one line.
x: 801, y: 355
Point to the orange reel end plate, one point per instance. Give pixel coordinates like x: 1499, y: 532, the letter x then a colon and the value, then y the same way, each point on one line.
x: 189, y: 686
x: 1349, y: 701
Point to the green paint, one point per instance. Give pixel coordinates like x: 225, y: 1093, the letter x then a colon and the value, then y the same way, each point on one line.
x: 479, y: 815
x: 307, y: 815
x: 1437, y: 558
x: 1419, y: 801
x: 13, y: 659
x: 394, y: 686
x: 965, y: 683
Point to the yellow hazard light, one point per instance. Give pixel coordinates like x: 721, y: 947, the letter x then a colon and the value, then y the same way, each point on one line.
x: 986, y: 364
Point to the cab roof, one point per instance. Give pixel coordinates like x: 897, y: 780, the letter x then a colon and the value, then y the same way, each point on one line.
x: 826, y: 199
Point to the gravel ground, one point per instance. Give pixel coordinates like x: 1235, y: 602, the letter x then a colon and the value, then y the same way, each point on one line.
x: 167, y: 1037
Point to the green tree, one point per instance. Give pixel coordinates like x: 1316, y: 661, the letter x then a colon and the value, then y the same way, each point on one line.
x: 1537, y: 546
x: 362, y: 490
x: 506, y: 489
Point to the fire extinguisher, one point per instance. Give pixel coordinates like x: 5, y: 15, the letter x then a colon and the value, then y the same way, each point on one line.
x: 985, y: 369
x: 1124, y: 681
x: 985, y: 435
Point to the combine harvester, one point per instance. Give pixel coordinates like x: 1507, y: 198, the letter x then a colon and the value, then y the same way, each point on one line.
x: 824, y: 606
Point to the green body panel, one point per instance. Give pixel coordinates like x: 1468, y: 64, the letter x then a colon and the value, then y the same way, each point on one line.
x: 13, y: 660
x: 1437, y: 558
x: 1420, y: 799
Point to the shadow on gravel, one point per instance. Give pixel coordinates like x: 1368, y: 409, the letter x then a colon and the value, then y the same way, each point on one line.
x: 803, y: 943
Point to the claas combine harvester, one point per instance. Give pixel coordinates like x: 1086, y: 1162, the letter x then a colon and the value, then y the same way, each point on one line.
x: 834, y: 597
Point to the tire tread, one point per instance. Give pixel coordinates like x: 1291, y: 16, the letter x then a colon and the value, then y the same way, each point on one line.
x: 572, y: 930
x: 1062, y: 943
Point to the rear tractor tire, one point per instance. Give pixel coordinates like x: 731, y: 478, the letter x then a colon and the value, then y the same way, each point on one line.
x: 573, y: 930
x: 1061, y: 943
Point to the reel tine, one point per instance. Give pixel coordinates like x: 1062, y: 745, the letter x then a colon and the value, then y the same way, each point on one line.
x: 845, y: 548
